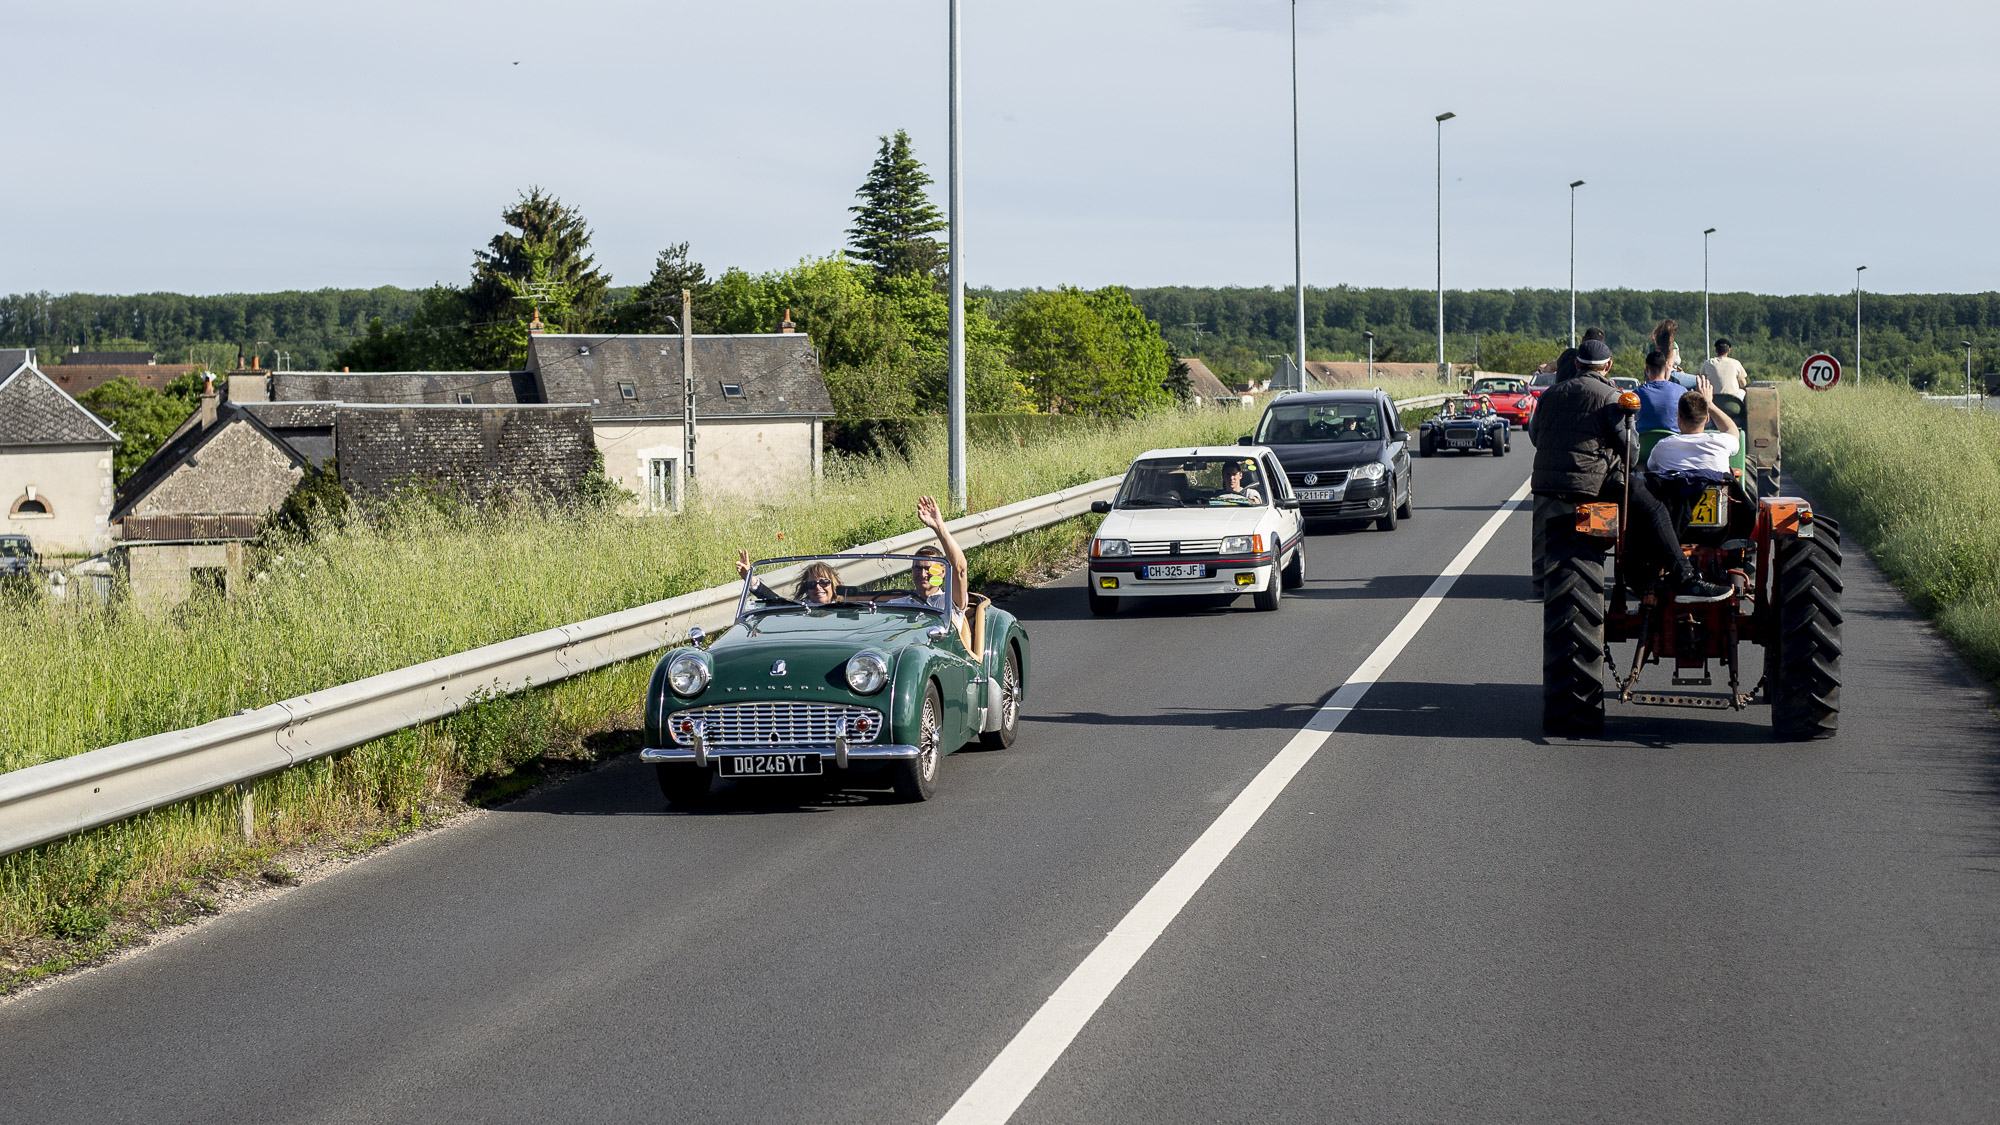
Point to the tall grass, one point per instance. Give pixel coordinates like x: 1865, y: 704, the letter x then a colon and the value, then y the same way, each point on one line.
x: 407, y: 586
x: 1916, y: 483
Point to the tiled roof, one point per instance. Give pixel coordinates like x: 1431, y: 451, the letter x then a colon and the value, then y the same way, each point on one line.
x: 777, y: 373
x: 403, y: 388
x: 81, y: 379
x: 1204, y: 383
x: 34, y: 411
x: 107, y: 359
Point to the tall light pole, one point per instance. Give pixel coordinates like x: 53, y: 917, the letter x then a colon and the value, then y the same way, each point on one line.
x: 955, y: 378
x: 1857, y: 324
x: 1444, y: 371
x: 1370, y: 337
x: 1574, y: 184
x: 1707, y: 334
x: 1298, y: 224
x: 1967, y: 345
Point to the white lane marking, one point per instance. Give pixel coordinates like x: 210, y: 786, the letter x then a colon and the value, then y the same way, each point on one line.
x: 1021, y: 1065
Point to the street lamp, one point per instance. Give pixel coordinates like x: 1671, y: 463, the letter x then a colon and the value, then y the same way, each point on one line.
x: 1967, y: 345
x: 1444, y: 372
x: 1298, y: 222
x: 1857, y: 324
x: 1575, y: 184
x: 1370, y: 337
x: 1707, y: 336
x: 955, y: 305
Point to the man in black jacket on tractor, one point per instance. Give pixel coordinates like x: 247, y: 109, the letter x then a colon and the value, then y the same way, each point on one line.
x: 1581, y: 430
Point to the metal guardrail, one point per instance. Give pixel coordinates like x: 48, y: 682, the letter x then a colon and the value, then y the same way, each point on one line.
x: 1423, y: 400
x: 55, y: 799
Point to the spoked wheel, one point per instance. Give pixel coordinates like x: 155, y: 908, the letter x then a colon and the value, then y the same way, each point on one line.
x: 915, y: 779
x: 1010, y: 703
x: 684, y: 786
x: 1802, y: 663
x: 1572, y: 636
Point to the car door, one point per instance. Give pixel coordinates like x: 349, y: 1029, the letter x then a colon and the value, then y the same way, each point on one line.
x: 1399, y: 451
x: 1289, y: 519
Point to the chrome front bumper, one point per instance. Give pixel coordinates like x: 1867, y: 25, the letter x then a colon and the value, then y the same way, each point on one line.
x: 839, y: 755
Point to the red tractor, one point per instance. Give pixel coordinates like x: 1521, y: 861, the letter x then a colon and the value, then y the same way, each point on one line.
x: 1781, y: 562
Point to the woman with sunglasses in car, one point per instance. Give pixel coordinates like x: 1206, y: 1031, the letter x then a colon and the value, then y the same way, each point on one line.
x: 816, y: 585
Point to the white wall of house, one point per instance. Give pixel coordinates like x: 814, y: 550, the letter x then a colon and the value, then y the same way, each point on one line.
x: 71, y: 482
x: 738, y: 458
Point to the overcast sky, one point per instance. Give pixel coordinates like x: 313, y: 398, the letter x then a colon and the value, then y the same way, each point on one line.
x: 236, y: 146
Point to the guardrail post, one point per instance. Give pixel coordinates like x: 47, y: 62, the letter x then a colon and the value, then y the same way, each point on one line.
x: 246, y: 811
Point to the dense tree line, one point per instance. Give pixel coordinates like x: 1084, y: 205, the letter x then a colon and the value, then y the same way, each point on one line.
x: 308, y: 326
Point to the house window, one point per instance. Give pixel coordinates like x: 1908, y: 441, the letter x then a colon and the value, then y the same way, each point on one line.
x: 465, y: 398
x: 732, y: 390
x: 662, y: 495
x: 628, y: 390
x: 32, y: 505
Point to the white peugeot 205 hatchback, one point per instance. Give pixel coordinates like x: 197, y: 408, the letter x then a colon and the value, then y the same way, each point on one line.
x: 1209, y: 520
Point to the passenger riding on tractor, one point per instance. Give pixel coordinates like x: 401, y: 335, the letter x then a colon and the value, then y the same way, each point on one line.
x: 1780, y: 561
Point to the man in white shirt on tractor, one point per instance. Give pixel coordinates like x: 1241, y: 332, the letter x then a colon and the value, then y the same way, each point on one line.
x: 1697, y: 450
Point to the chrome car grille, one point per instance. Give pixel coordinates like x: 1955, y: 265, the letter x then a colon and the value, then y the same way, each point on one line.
x: 1185, y: 547
x: 776, y: 723
x: 1325, y: 478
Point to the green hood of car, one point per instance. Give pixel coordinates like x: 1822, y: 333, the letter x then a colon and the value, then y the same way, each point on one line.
x: 814, y: 644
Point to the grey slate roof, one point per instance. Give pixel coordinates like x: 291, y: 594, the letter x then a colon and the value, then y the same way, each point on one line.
x: 403, y: 388
x: 305, y: 426
x: 474, y: 451
x: 11, y: 359
x: 34, y: 411
x: 779, y: 374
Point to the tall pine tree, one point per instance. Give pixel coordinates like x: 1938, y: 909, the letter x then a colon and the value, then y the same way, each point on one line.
x: 656, y: 305
x: 895, y: 219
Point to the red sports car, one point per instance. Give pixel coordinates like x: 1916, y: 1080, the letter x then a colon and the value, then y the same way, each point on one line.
x: 1511, y: 395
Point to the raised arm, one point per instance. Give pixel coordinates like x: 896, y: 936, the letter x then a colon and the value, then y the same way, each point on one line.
x: 1723, y: 423
x: 927, y: 511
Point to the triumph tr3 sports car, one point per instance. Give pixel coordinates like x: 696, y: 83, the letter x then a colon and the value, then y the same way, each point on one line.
x: 841, y: 665
x: 1467, y: 424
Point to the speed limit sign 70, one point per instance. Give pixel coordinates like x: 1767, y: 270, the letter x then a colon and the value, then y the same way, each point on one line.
x: 1821, y: 372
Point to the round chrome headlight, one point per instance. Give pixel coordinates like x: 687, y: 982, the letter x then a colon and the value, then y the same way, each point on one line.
x: 1373, y: 470
x: 687, y: 674
x: 867, y: 672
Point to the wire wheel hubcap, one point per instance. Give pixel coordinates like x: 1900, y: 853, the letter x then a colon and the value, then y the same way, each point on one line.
x: 927, y: 742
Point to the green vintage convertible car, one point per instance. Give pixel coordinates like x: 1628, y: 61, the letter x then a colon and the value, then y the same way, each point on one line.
x: 845, y: 665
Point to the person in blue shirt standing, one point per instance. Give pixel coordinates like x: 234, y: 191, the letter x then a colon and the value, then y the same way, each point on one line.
x: 1659, y: 396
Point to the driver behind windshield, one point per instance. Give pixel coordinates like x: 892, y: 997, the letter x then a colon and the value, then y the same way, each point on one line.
x: 1234, y: 488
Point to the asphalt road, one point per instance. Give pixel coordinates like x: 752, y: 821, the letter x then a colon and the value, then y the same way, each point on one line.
x: 1444, y: 917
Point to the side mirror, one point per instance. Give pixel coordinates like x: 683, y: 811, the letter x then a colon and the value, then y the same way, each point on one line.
x: 696, y: 637
x: 1101, y: 507
x: 1244, y: 440
x: 1288, y: 502
x: 1399, y: 435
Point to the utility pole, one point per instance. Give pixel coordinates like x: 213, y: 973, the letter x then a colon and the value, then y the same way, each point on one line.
x: 1370, y: 337
x: 1857, y: 324
x: 1967, y: 345
x: 1707, y: 334
x: 1572, y: 261
x: 955, y: 377
x: 687, y: 394
x: 1444, y: 369
x: 1298, y: 382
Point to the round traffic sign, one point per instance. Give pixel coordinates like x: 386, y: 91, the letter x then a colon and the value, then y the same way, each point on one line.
x: 1820, y: 372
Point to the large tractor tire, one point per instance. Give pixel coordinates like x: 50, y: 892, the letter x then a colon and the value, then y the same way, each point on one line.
x: 1802, y: 662
x: 1572, y: 636
x: 1538, y: 534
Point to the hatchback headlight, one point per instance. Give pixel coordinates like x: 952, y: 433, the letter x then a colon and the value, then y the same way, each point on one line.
x: 867, y: 672
x: 1243, y: 545
x: 1373, y: 470
x: 1106, y: 547
x: 688, y: 674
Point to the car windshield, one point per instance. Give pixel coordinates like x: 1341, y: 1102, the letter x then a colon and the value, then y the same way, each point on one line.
x: 15, y: 549
x: 1499, y: 387
x: 1193, y: 482
x: 810, y: 582
x: 1309, y: 423
x: 1543, y: 379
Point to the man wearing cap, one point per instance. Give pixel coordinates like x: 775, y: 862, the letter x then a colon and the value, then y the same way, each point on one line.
x: 1579, y: 431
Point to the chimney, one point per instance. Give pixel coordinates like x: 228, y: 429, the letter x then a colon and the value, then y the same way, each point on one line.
x: 208, y: 402
x: 787, y: 327
x: 256, y: 363
x: 535, y: 326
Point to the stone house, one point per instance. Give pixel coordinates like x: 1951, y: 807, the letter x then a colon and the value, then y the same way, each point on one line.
x: 55, y: 462
x: 760, y: 404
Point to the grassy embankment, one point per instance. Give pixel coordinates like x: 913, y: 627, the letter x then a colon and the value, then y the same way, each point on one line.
x: 402, y: 590
x: 1915, y: 483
